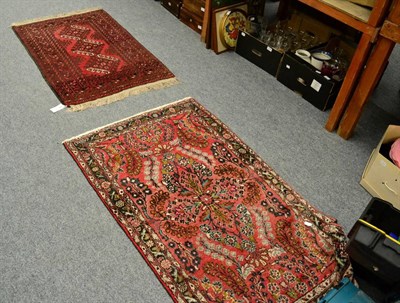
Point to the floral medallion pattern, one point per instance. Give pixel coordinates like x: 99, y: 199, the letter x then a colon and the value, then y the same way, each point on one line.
x: 212, y: 219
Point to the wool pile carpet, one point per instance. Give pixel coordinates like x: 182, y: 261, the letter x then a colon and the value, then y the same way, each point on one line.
x: 210, y: 217
x: 89, y: 59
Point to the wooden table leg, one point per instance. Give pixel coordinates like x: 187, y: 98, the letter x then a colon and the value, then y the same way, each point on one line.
x: 373, y: 71
x: 349, y: 82
x: 206, y: 23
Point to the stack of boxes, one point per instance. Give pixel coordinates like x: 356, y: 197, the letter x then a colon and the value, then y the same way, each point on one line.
x: 374, y: 240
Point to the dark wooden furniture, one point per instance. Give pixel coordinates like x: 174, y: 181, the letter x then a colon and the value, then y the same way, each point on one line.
x: 192, y: 14
x: 173, y: 6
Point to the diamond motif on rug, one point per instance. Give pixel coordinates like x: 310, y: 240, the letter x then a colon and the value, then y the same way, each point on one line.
x: 88, y: 59
x: 210, y: 217
x: 94, y: 53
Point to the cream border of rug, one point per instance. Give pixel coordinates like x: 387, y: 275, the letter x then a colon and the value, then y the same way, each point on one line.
x: 124, y: 94
x: 127, y: 118
x: 56, y: 16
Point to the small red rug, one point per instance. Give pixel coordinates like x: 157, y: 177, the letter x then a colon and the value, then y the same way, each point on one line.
x: 210, y: 217
x: 89, y: 59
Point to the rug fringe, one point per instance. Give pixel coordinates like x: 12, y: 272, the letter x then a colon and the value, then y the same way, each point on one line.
x: 121, y: 95
x: 77, y: 12
x: 127, y: 118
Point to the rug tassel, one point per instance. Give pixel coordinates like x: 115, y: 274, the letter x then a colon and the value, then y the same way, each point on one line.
x: 121, y: 95
x: 56, y: 16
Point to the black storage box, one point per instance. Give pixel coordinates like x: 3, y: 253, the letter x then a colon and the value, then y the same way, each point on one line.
x: 301, y: 77
x: 370, y: 246
x: 258, y: 52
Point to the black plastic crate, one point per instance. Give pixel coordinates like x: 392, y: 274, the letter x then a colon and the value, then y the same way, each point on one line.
x: 370, y: 245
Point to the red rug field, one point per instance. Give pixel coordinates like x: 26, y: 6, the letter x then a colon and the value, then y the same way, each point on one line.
x: 88, y: 59
x: 210, y: 217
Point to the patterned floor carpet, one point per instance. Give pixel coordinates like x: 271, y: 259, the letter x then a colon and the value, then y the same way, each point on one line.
x: 211, y: 218
x: 88, y: 59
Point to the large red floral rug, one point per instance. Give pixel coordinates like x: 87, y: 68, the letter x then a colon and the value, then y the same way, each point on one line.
x: 89, y: 59
x: 210, y: 217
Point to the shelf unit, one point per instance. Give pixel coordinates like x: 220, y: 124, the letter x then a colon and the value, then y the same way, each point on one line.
x: 388, y: 36
x: 367, y: 22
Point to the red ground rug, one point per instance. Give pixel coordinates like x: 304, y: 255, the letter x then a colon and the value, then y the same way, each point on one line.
x: 210, y: 217
x: 88, y: 59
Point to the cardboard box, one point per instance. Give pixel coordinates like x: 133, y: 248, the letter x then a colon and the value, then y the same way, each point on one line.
x: 369, y: 3
x: 258, y: 53
x: 301, y: 21
x: 304, y: 79
x: 381, y: 177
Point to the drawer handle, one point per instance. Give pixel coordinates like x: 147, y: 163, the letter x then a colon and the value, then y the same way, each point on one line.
x: 169, y: 4
x: 301, y: 81
x: 391, y: 189
x: 256, y: 52
x: 375, y: 268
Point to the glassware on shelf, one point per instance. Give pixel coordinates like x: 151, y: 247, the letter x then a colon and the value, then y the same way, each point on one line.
x: 283, y: 37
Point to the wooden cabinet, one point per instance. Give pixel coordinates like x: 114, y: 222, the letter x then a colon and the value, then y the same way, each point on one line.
x: 195, y: 7
x: 173, y: 6
x: 192, y: 14
x: 191, y: 20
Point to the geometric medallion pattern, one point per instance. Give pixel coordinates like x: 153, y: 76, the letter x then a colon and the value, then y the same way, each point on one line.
x: 90, y: 57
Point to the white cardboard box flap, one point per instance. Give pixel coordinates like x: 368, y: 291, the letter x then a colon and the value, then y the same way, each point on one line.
x: 381, y: 177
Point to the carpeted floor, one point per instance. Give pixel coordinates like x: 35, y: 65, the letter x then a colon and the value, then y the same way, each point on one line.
x: 58, y: 241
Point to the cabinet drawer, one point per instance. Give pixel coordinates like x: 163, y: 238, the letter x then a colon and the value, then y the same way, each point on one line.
x: 195, y: 7
x: 191, y: 20
x: 173, y: 6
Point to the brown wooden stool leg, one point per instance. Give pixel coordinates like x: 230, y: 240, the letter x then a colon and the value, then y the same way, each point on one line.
x: 349, y: 82
x: 373, y: 71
